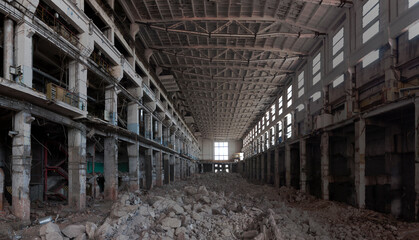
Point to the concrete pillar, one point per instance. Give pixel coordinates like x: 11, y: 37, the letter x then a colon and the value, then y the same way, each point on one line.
x: 268, y: 168
x: 111, y: 168
x: 159, y: 169
x: 111, y: 105
x: 21, y: 165
x: 391, y: 73
x: 166, y: 169
x: 24, y: 53
x: 324, y: 148
x: 177, y: 168
x: 287, y: 165
x: 133, y: 121
x: 78, y: 83
x: 303, y: 165
x: 148, y: 125
x: 1, y: 189
x: 417, y: 158
x: 262, y: 167
x: 76, y: 169
x: 159, y: 132
x: 8, y: 47
x: 276, y: 165
x: 134, y: 166
x: 212, y: 168
x: 360, y: 129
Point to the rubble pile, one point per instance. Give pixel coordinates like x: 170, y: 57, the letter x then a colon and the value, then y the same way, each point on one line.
x: 226, y: 206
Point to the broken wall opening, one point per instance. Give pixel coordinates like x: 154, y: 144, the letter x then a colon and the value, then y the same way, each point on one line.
x: 295, y: 165
x: 282, y: 170
x: 341, y: 165
x: 314, y: 166
x: 389, y: 163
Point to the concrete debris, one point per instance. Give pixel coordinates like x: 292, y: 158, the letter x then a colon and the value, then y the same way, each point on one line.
x: 225, y: 206
x: 73, y: 231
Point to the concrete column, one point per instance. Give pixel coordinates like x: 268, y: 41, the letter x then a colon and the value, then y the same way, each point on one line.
x: 166, y: 169
x: 21, y: 165
x: 78, y: 83
x: 177, y: 168
x: 111, y: 168
x: 303, y: 165
x: 391, y: 73
x: 255, y: 172
x: 76, y: 169
x: 324, y: 148
x: 134, y: 166
x: 262, y: 167
x: 133, y: 121
x: 24, y: 53
x: 148, y: 125
x: 111, y: 105
x: 360, y: 129
x: 212, y: 168
x: 268, y: 168
x: 159, y: 132
x: 287, y: 165
x: 417, y: 158
x: 159, y: 169
x: 8, y: 47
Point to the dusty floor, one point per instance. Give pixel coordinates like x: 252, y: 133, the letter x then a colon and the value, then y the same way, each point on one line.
x: 216, y: 206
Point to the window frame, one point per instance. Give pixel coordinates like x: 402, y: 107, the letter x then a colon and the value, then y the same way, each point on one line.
x: 317, y: 68
x: 222, y: 150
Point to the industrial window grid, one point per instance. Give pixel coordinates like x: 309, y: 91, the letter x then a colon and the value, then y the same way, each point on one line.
x: 300, y: 84
x: 317, y: 68
x: 338, y: 42
x: 220, y: 150
x: 370, y: 19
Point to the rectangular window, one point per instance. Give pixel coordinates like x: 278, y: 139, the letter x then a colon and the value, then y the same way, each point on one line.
x: 263, y: 123
x: 259, y: 127
x: 316, y: 96
x: 273, y: 111
x: 300, y: 84
x: 221, y: 150
x: 337, y: 49
x: 267, y: 140
x: 279, y: 127
x: 272, y: 136
x: 280, y: 106
x: 370, y: 58
x: 289, y: 125
x: 413, y: 31
x: 317, y: 69
x: 267, y: 118
x: 412, y: 2
x: 338, y: 81
x: 370, y: 19
x: 289, y: 96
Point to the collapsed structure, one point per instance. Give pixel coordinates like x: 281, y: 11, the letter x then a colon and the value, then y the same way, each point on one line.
x: 319, y: 95
x: 78, y: 98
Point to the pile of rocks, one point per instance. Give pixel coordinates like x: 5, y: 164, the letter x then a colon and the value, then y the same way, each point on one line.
x: 226, y: 206
x: 51, y: 231
x: 189, y: 213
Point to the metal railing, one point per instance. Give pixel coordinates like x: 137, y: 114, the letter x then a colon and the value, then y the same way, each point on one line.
x: 52, y: 21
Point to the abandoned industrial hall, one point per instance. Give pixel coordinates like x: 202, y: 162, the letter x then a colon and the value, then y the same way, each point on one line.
x: 209, y: 119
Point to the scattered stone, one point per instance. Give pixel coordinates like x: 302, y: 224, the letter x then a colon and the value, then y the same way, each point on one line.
x: 171, y: 222
x: 90, y: 230
x: 73, y: 231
